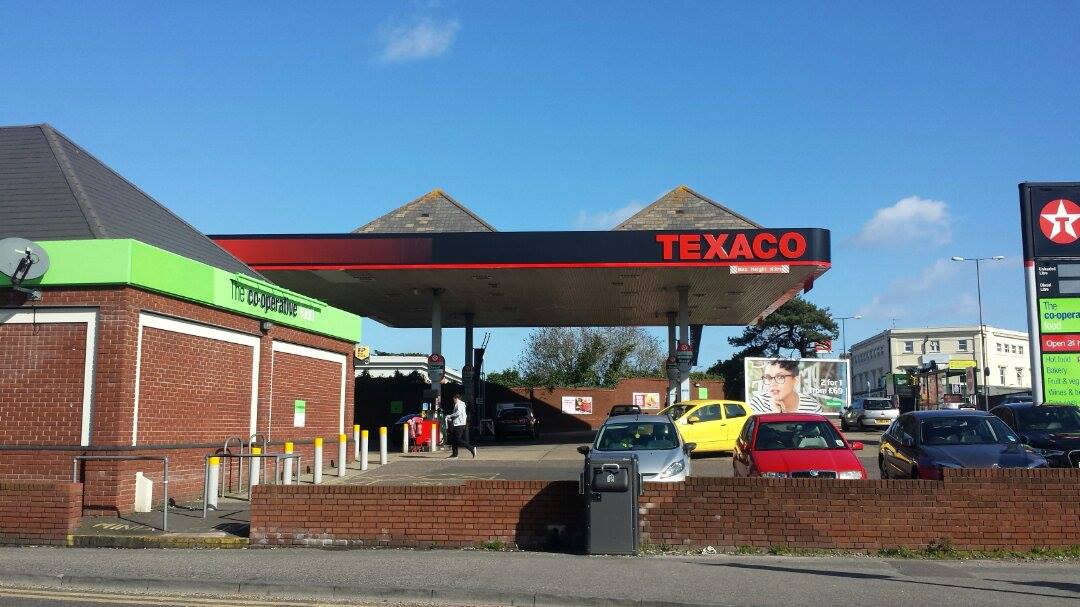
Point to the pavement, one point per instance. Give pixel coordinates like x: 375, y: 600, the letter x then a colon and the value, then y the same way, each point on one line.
x: 474, y: 577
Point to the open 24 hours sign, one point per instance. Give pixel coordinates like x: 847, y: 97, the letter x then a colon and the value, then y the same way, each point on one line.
x: 1050, y: 216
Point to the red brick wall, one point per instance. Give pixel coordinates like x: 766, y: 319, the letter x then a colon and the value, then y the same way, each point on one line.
x: 970, y: 509
x: 547, y: 404
x: 197, y: 384
x: 41, y: 383
x: 38, y: 513
x: 517, y: 513
x: 318, y: 383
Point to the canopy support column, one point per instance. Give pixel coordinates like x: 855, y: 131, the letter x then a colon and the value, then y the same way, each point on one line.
x: 684, y: 340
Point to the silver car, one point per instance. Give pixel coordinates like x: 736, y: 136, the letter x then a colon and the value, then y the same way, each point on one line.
x: 662, y: 455
x: 866, y: 413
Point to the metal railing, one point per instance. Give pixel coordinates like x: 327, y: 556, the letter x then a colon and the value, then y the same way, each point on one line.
x: 278, y: 458
x: 164, y: 476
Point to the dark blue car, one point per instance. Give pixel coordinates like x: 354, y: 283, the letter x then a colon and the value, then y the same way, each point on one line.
x: 921, y: 444
x: 1053, y: 431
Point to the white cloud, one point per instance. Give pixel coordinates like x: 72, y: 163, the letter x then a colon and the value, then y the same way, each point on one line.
x: 605, y: 220
x: 910, y: 220
x: 419, y: 39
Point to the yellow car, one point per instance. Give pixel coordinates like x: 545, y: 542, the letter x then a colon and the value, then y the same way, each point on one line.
x: 711, y: 424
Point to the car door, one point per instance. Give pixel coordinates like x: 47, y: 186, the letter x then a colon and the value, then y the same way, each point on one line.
x: 906, y: 446
x: 854, y: 413
x: 735, y: 416
x: 703, y: 426
x: 891, y: 442
x: 740, y: 459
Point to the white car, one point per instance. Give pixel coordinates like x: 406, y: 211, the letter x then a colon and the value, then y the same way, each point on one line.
x: 662, y: 455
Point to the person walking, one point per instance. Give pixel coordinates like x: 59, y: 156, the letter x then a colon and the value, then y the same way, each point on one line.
x: 458, y: 429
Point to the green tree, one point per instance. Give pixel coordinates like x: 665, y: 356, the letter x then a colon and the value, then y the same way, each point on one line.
x: 587, y: 356
x: 789, y: 332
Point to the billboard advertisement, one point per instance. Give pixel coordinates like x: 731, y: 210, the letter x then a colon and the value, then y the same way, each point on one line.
x: 804, y: 385
x: 577, y: 405
x: 647, y: 400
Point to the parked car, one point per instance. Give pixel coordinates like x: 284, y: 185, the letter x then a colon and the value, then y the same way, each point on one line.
x: 712, y: 425
x: 516, y: 420
x: 871, y: 412
x: 663, y: 455
x: 795, y: 445
x: 624, y: 410
x: 921, y: 444
x: 1023, y: 398
x: 1052, y: 430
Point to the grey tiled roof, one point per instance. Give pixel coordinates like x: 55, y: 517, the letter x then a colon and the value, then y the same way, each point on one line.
x: 683, y: 208
x: 435, y: 211
x: 52, y: 189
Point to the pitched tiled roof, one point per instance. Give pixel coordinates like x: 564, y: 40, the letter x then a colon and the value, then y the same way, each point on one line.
x: 683, y: 208
x: 52, y: 189
x: 435, y: 211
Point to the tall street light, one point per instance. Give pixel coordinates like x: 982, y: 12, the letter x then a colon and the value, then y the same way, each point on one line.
x: 843, y: 333
x: 982, y: 329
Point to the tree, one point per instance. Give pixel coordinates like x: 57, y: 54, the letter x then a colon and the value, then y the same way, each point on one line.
x: 791, y: 331
x: 587, y: 356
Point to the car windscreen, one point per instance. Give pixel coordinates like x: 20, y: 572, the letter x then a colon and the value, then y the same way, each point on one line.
x: 876, y: 404
x: 784, y: 436
x: 677, y: 411
x: 513, y: 413
x: 637, y: 436
x: 1048, y: 419
x: 966, y: 430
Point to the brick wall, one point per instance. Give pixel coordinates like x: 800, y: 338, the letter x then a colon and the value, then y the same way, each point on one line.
x: 41, y: 378
x: 194, y: 393
x: 528, y: 514
x: 969, y: 509
x: 39, y: 512
x: 547, y: 404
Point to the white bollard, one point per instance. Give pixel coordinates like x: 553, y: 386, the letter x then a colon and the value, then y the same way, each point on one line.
x: 382, y: 445
x: 342, y: 445
x: 256, y: 466
x: 212, y: 482
x: 405, y: 438
x: 287, y: 468
x: 364, y: 450
x: 433, y: 445
x: 356, y: 441
x: 317, y: 469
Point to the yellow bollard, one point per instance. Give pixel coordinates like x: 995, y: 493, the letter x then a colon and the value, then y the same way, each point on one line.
x: 382, y: 445
x: 364, y: 450
x: 255, y: 469
x: 287, y: 468
x: 317, y: 468
x: 212, y: 482
x: 356, y: 441
x: 342, y: 453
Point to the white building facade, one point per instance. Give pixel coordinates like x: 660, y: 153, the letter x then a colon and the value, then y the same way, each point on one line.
x: 899, y: 350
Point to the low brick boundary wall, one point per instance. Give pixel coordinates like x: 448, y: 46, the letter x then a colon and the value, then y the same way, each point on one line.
x: 968, y: 510
x: 523, y: 514
x: 39, y: 512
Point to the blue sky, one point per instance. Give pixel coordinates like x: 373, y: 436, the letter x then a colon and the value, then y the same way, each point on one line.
x: 902, y: 128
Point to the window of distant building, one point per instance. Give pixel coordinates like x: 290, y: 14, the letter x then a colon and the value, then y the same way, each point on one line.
x: 962, y: 345
x: 1019, y: 376
x: 933, y: 345
x: 909, y: 347
x: 999, y: 346
x: 1001, y: 371
x: 1021, y: 349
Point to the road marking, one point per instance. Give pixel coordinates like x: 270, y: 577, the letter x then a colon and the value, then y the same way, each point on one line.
x: 164, y: 600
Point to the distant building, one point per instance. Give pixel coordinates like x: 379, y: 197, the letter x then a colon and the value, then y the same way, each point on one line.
x: 386, y: 365
x: 900, y: 350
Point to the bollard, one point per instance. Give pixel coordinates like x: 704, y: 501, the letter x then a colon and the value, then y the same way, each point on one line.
x: 363, y: 450
x: 255, y: 469
x: 317, y: 470
x: 382, y: 445
x: 341, y: 453
x: 356, y: 441
x: 433, y: 445
x: 212, y: 482
x: 287, y: 468
x: 405, y: 438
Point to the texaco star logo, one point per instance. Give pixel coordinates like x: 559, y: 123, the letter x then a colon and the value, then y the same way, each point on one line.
x: 1057, y: 219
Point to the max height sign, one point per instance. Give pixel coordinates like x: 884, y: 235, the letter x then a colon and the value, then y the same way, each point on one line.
x: 1050, y: 215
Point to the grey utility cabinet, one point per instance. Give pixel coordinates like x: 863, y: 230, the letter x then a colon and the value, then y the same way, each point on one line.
x: 611, y: 486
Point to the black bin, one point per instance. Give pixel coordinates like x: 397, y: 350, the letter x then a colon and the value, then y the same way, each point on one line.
x: 611, y: 486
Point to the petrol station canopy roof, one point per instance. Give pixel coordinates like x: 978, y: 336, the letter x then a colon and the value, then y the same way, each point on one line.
x: 735, y: 270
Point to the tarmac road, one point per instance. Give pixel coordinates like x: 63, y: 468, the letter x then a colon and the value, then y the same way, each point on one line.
x: 464, y: 577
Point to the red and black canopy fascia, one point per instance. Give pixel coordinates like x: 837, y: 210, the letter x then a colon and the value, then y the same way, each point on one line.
x: 507, y: 250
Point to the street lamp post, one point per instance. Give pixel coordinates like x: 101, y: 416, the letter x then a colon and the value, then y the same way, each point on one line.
x: 843, y: 332
x: 982, y: 328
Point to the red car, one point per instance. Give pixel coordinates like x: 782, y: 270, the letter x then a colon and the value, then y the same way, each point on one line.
x: 795, y: 445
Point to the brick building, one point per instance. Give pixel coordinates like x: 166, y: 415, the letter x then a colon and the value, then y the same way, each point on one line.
x: 148, y: 339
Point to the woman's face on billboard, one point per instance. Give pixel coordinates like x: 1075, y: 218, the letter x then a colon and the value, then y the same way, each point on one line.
x: 779, y: 382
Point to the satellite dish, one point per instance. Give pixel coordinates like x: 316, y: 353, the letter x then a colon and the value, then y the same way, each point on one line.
x: 21, y: 259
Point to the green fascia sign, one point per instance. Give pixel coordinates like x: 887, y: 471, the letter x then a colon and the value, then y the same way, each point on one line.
x: 1059, y: 315
x: 130, y: 262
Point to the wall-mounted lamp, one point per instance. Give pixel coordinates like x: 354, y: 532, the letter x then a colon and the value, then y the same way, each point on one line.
x: 265, y: 326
